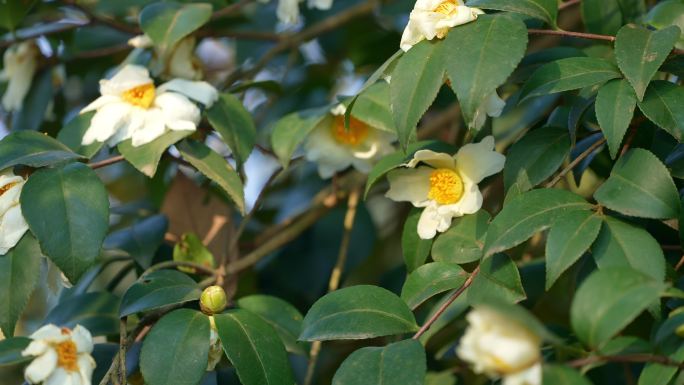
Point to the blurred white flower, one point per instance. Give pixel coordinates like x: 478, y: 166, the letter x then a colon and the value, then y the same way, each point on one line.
x: 323, y: 5
x: 12, y: 222
x: 179, y: 62
x: 431, y: 19
x: 500, y: 347
x: 493, y: 107
x: 218, y: 58
x: 20, y: 64
x: 62, y: 356
x: 334, y: 148
x: 132, y: 108
x: 445, y: 185
x: 215, y: 348
x: 288, y: 10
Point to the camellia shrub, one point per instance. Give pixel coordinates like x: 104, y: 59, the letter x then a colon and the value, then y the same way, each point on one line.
x: 348, y: 192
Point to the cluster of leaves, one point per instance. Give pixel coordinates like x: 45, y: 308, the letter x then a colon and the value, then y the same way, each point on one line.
x: 582, y: 243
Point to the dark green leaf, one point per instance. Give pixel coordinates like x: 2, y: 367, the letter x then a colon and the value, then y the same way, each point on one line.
x: 146, y: 157
x: 214, y: 167
x: 536, y: 157
x: 464, y: 240
x: 357, y: 312
x: 568, y: 74
x: 291, y: 130
x: 33, y: 149
x: 430, y: 280
x: 624, y: 293
x: 480, y: 57
x: 528, y: 214
x: 571, y: 235
x: 663, y: 104
x: 283, y: 317
x: 562, y: 375
x: 19, y: 272
x: 545, y: 10
x: 640, y: 52
x: 498, y: 280
x: 416, y: 79
x: 230, y: 119
x: 623, y: 244
x: 95, y: 311
x: 141, y: 240
x: 601, y: 16
x: 415, y: 249
x: 67, y: 209
x: 614, y: 110
x: 12, y: 12
x: 159, y: 289
x: 254, y: 348
x: 10, y: 351
x: 372, y: 107
x: 72, y: 135
x: 176, y: 351
x: 398, y: 363
x: 166, y: 23
x: 640, y: 185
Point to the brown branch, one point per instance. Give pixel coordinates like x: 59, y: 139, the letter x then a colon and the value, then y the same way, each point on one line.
x: 583, y: 35
x: 173, y: 264
x: 628, y: 358
x: 106, y: 162
x: 446, y: 304
x: 575, y: 162
x: 95, y: 18
x: 567, y: 4
x: 231, y: 9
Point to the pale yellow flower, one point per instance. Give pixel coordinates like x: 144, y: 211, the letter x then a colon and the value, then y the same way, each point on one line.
x: 20, y: 64
x: 13, y: 226
x: 179, y: 62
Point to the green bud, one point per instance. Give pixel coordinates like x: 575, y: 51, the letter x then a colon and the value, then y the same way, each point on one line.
x: 213, y: 300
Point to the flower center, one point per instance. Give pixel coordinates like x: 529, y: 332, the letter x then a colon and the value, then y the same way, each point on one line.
x: 447, y: 8
x: 357, y: 132
x: 446, y: 186
x: 67, y: 356
x: 6, y: 187
x: 141, y: 96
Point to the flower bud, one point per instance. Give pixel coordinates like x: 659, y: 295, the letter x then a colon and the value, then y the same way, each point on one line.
x: 680, y: 331
x: 213, y: 300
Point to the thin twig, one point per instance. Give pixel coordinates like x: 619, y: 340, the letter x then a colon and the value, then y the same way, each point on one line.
x: 231, y: 9
x: 635, y: 358
x: 122, y: 351
x: 581, y: 35
x: 174, y: 264
x: 575, y: 162
x: 446, y: 304
x: 106, y: 162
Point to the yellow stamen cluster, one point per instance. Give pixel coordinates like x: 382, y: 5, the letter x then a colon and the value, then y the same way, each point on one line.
x: 6, y: 187
x: 446, y: 186
x: 67, y: 356
x: 355, y: 135
x: 141, y: 96
x: 447, y: 8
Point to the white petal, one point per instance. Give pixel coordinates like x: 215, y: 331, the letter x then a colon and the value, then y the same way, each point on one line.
x: 477, y: 161
x: 175, y: 106
x: 82, y: 338
x: 429, y: 222
x: 202, y: 92
x: 13, y: 226
x: 35, y: 348
x: 86, y: 365
x: 494, y: 105
x: 410, y: 37
x: 20, y: 64
x: 409, y: 185
x: 362, y: 165
x: 41, y: 367
x: 434, y: 159
x: 140, y: 41
x: 133, y: 122
x: 288, y: 11
x: 130, y: 76
x: 11, y: 197
x: 327, y: 170
x: 320, y: 4
x: 106, y: 122
x: 101, y: 102
x: 530, y: 376
x: 183, y: 63
x: 59, y: 377
x: 153, y: 128
x: 463, y: 15
x: 50, y: 333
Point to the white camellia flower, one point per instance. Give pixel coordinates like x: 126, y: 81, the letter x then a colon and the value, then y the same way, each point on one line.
x: 335, y: 148
x: 20, y: 64
x: 62, y: 356
x: 288, y: 10
x: 500, y: 347
x: 12, y: 222
x: 132, y: 108
x: 445, y: 185
x: 431, y: 19
x: 179, y: 62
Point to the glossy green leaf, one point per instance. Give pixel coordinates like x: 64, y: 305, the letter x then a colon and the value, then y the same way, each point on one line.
x: 373, y: 107
x: 401, y: 362
x: 166, y: 23
x: 67, y: 209
x: 601, y: 16
x: 176, y: 350
x: 615, y: 105
x: 571, y: 235
x: 254, y: 348
x: 357, y: 312
x: 285, y: 319
x: 535, y: 157
x: 10, y: 351
x: 416, y: 79
x: 624, y: 293
x: 640, y: 185
x: 159, y: 289
x: 72, y: 135
x: 568, y: 74
x: 562, y: 375
x: 498, y: 280
x: 19, y: 272
x: 664, y: 14
x: 663, y: 104
x: 141, y: 240
x: 33, y: 149
x: 464, y: 240
x: 430, y: 280
x: 292, y: 129
x: 640, y: 52
x: 545, y: 10
x: 214, y: 167
x: 146, y: 157
x: 12, y: 12
x: 415, y: 249
x: 191, y: 249
x: 482, y: 56
x: 96, y: 311
x: 235, y: 124
x: 528, y: 214
x: 623, y: 244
